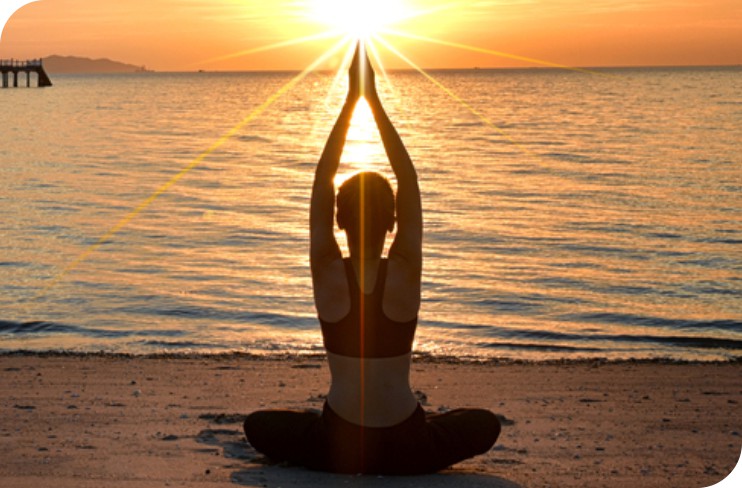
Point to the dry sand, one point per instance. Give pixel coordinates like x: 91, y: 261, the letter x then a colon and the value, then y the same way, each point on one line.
x: 114, y: 421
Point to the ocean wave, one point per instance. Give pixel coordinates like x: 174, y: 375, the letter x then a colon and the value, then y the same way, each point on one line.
x: 31, y: 328
x: 659, y: 322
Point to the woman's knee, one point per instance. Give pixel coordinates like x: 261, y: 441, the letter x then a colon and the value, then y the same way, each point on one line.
x: 475, y: 430
x: 280, y: 433
x: 483, y: 427
x: 255, y: 426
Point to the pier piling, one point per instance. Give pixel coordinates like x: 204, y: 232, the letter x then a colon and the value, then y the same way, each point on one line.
x: 16, y: 67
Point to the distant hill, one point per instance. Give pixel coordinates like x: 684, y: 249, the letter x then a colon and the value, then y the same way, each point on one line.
x: 72, y: 64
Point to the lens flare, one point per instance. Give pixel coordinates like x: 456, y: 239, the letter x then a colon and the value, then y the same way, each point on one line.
x: 349, y: 20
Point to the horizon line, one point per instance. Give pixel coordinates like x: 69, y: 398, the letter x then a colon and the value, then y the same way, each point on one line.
x: 472, y: 68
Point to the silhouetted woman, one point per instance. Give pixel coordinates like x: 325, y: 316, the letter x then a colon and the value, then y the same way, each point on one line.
x: 367, y: 308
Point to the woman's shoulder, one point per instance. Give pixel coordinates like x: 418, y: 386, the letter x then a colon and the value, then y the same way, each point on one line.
x: 331, y: 293
x: 401, y: 301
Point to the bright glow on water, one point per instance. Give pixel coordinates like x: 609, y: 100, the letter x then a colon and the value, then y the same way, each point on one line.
x: 612, y: 231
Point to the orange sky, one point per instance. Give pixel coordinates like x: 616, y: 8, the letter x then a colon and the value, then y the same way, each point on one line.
x: 175, y: 35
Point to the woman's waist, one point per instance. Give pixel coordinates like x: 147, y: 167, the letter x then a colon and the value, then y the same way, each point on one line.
x: 371, y: 392
x: 372, y: 408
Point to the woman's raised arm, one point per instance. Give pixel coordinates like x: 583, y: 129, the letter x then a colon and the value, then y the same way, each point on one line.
x: 323, y: 246
x: 407, y: 244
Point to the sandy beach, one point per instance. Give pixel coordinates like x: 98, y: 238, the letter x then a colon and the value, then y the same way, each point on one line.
x: 101, y: 420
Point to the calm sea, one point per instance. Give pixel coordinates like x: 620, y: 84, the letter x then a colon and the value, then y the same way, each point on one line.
x: 574, y: 215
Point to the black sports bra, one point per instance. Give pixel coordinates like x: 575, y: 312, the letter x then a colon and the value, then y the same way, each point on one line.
x: 366, y: 332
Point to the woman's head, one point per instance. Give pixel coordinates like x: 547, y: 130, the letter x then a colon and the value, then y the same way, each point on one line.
x: 366, y: 198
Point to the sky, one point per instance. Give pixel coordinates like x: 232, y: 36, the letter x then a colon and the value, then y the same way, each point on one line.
x: 186, y: 35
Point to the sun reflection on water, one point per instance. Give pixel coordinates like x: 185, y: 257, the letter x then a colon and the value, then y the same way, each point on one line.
x: 364, y: 150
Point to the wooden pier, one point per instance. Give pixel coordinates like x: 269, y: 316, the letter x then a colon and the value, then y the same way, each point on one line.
x: 15, y: 67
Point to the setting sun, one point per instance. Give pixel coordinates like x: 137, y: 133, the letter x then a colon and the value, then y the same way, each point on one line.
x: 358, y: 18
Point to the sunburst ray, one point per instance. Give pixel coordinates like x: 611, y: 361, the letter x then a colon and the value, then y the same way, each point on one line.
x: 270, y: 47
x: 491, y: 52
x: 123, y: 222
x: 453, y: 95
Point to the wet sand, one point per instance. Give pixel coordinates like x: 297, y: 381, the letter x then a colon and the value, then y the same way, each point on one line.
x: 103, y: 420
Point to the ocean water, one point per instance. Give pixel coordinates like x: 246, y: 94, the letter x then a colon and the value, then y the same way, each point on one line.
x: 567, y: 215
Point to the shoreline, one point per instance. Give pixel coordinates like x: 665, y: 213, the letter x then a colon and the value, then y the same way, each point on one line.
x: 417, y: 357
x: 79, y: 420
